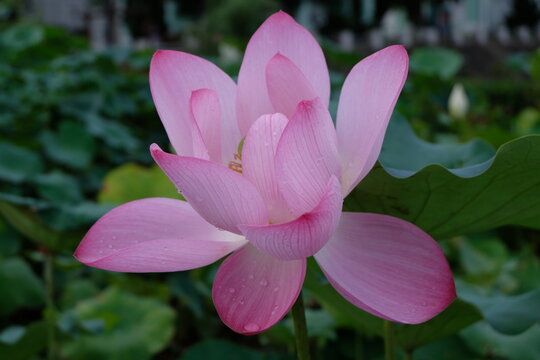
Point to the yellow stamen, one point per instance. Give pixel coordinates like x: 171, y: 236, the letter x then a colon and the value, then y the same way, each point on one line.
x: 236, y: 166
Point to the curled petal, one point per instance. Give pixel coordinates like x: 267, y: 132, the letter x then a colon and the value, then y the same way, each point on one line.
x: 154, y: 235
x: 388, y: 267
x: 174, y: 75
x: 366, y: 103
x: 307, y: 156
x: 206, y: 112
x: 303, y: 236
x: 279, y: 34
x: 258, y: 163
x: 286, y: 85
x: 253, y: 291
x: 221, y: 196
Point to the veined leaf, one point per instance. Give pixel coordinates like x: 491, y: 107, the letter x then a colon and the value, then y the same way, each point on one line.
x: 503, y: 190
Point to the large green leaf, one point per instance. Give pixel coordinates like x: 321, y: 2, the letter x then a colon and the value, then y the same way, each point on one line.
x: 404, y: 153
x: 449, y: 348
x: 482, y: 339
x: 131, y: 182
x: 122, y: 326
x: 18, y: 164
x: 456, y: 317
x: 441, y: 62
x: 19, y: 286
x: 499, y: 191
x: 58, y: 187
x: 70, y: 145
x: 510, y: 315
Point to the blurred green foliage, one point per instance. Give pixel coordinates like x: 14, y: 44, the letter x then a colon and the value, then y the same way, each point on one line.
x: 76, y: 126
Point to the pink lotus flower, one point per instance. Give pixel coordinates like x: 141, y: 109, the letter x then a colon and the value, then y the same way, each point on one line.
x: 279, y: 200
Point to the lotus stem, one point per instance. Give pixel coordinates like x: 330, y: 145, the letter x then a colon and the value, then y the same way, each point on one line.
x: 389, y: 341
x: 300, y: 329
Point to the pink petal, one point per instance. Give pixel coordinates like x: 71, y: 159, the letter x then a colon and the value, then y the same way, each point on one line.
x: 258, y: 163
x: 388, y: 267
x: 253, y: 291
x: 279, y: 33
x: 366, y: 103
x: 174, y: 76
x: 307, y: 156
x: 206, y: 112
x: 154, y: 235
x: 286, y: 84
x: 221, y: 196
x: 199, y: 147
x: 303, y: 236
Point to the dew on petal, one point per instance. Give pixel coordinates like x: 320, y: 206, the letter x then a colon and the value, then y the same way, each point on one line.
x: 232, y: 290
x: 251, y: 327
x: 263, y: 282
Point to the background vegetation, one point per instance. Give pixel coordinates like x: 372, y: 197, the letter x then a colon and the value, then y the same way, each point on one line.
x: 75, y: 128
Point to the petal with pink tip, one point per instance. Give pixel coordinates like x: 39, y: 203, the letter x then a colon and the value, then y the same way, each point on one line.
x: 206, y: 112
x: 253, y: 291
x: 303, y: 236
x: 154, y: 235
x: 174, y: 75
x: 221, y: 196
x: 286, y: 85
x: 389, y: 267
x: 307, y: 156
x: 367, y: 100
x: 258, y: 163
x: 279, y: 33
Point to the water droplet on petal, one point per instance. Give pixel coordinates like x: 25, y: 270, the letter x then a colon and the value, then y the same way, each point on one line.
x: 263, y: 282
x: 252, y: 327
x: 276, y: 288
x: 232, y: 290
x: 250, y: 276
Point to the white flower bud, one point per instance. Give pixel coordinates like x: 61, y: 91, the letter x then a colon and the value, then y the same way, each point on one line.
x: 458, y: 103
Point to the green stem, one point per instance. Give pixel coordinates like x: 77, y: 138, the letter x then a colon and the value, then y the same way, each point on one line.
x: 50, y: 310
x: 300, y: 329
x: 389, y: 341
